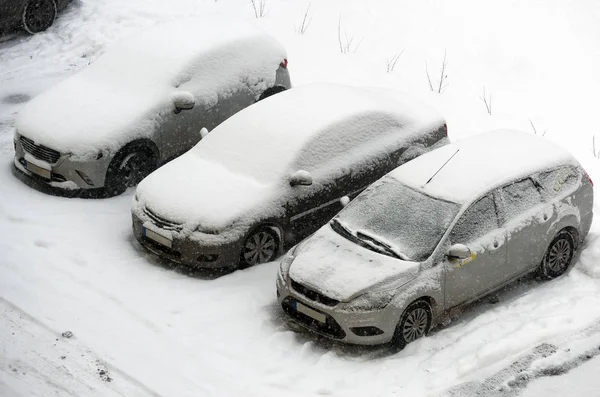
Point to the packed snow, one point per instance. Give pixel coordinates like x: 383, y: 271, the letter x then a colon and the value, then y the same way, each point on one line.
x: 73, y: 265
x: 127, y: 92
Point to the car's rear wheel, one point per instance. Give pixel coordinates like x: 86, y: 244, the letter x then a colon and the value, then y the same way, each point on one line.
x: 558, y: 256
x: 414, y: 324
x: 39, y: 15
x: 128, y: 168
x: 261, y: 246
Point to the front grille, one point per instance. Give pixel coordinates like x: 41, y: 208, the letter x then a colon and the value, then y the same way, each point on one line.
x: 313, y: 295
x: 162, y: 222
x: 330, y: 327
x: 39, y: 151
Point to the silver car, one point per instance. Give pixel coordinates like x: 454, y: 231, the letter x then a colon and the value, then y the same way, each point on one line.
x: 437, y: 233
x: 144, y: 102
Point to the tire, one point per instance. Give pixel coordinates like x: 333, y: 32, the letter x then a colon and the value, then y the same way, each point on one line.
x: 38, y: 15
x: 414, y: 324
x: 271, y: 91
x: 128, y: 168
x: 261, y: 246
x: 559, y: 255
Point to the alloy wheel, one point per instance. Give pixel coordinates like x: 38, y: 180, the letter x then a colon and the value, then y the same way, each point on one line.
x: 39, y: 15
x: 559, y: 255
x: 415, y: 325
x: 260, y: 247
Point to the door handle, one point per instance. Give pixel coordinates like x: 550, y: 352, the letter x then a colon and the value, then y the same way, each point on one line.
x: 496, y: 244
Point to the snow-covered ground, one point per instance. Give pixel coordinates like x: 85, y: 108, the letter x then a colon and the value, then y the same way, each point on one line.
x: 142, y: 328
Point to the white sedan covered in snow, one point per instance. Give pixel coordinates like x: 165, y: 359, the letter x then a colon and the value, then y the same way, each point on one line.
x: 275, y: 172
x: 145, y: 101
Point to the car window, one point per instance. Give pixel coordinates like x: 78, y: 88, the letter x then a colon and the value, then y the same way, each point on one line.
x: 560, y: 180
x: 478, y: 220
x: 519, y: 197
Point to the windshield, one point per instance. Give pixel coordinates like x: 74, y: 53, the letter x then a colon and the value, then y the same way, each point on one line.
x: 396, y: 220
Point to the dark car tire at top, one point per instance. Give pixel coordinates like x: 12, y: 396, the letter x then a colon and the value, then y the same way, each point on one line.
x: 39, y: 15
x: 129, y: 166
x: 261, y: 246
x: 271, y: 91
x: 559, y: 255
x: 414, y: 324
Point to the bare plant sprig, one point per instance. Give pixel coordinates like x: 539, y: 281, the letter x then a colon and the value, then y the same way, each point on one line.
x: 391, y: 62
x: 260, y: 7
x: 487, y: 100
x: 534, y: 129
x: 305, y: 21
x: 346, y: 42
x: 442, y: 82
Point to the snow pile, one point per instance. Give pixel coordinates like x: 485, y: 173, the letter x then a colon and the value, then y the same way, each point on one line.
x: 471, y: 166
x: 126, y: 93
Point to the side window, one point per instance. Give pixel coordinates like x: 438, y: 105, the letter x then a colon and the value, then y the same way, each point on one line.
x: 520, y: 197
x: 478, y: 220
x: 560, y: 180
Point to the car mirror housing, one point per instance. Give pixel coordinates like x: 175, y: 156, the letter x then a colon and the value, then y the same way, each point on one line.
x: 301, y: 177
x: 344, y: 200
x: 459, y: 251
x: 183, y: 100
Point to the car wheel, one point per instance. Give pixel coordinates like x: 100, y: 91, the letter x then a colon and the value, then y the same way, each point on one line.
x: 261, y: 246
x: 39, y: 15
x: 558, y: 256
x: 271, y: 91
x: 414, y: 324
x: 128, y: 168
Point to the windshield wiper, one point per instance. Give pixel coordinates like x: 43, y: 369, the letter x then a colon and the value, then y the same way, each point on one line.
x: 382, y: 246
x: 341, y: 228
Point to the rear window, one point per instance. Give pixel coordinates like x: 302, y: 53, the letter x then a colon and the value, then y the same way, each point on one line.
x: 559, y: 181
x: 520, y: 197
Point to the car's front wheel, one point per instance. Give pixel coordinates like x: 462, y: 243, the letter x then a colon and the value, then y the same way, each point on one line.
x: 128, y: 168
x: 414, y: 324
x: 558, y: 256
x: 261, y: 246
x: 39, y: 15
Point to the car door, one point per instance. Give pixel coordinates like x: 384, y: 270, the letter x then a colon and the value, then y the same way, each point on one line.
x: 478, y: 229
x: 526, y: 219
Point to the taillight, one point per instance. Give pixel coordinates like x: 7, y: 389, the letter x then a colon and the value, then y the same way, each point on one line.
x: 589, y: 179
x: 446, y: 129
x: 284, y: 63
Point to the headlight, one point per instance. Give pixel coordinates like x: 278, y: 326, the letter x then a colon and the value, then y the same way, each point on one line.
x: 370, y: 301
x: 206, y: 230
x: 284, y: 265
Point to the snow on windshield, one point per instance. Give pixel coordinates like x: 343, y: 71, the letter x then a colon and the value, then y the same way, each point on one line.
x: 413, y: 222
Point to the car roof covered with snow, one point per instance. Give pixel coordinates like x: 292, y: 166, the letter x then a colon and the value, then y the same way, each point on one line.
x: 480, y: 163
x: 124, y: 93
x: 294, y: 128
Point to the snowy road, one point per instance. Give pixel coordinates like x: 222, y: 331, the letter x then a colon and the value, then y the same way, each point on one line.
x: 141, y: 328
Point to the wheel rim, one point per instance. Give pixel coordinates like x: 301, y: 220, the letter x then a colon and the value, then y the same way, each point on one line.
x: 559, y: 255
x: 259, y: 248
x: 415, y: 325
x: 136, y: 167
x: 39, y: 15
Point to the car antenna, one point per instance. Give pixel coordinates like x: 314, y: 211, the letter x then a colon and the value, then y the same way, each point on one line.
x: 443, y: 165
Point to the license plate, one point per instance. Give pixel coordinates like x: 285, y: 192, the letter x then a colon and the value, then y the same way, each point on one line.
x: 167, y: 242
x: 44, y: 173
x: 320, y: 317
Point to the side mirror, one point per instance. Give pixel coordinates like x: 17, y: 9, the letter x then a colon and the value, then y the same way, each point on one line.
x: 459, y: 251
x: 301, y: 177
x: 203, y: 132
x: 344, y: 201
x: 183, y: 100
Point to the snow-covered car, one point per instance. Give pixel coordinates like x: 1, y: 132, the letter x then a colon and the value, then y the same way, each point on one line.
x: 145, y: 101
x: 277, y: 171
x: 33, y: 16
x: 439, y: 232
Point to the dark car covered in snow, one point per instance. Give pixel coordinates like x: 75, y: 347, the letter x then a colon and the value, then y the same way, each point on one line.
x: 439, y: 232
x: 278, y: 170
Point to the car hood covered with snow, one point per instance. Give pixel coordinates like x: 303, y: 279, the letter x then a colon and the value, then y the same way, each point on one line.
x: 342, y: 270
x: 127, y: 92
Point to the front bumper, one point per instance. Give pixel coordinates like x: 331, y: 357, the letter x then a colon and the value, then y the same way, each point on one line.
x: 339, y: 325
x: 63, y: 172
x: 180, y: 249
